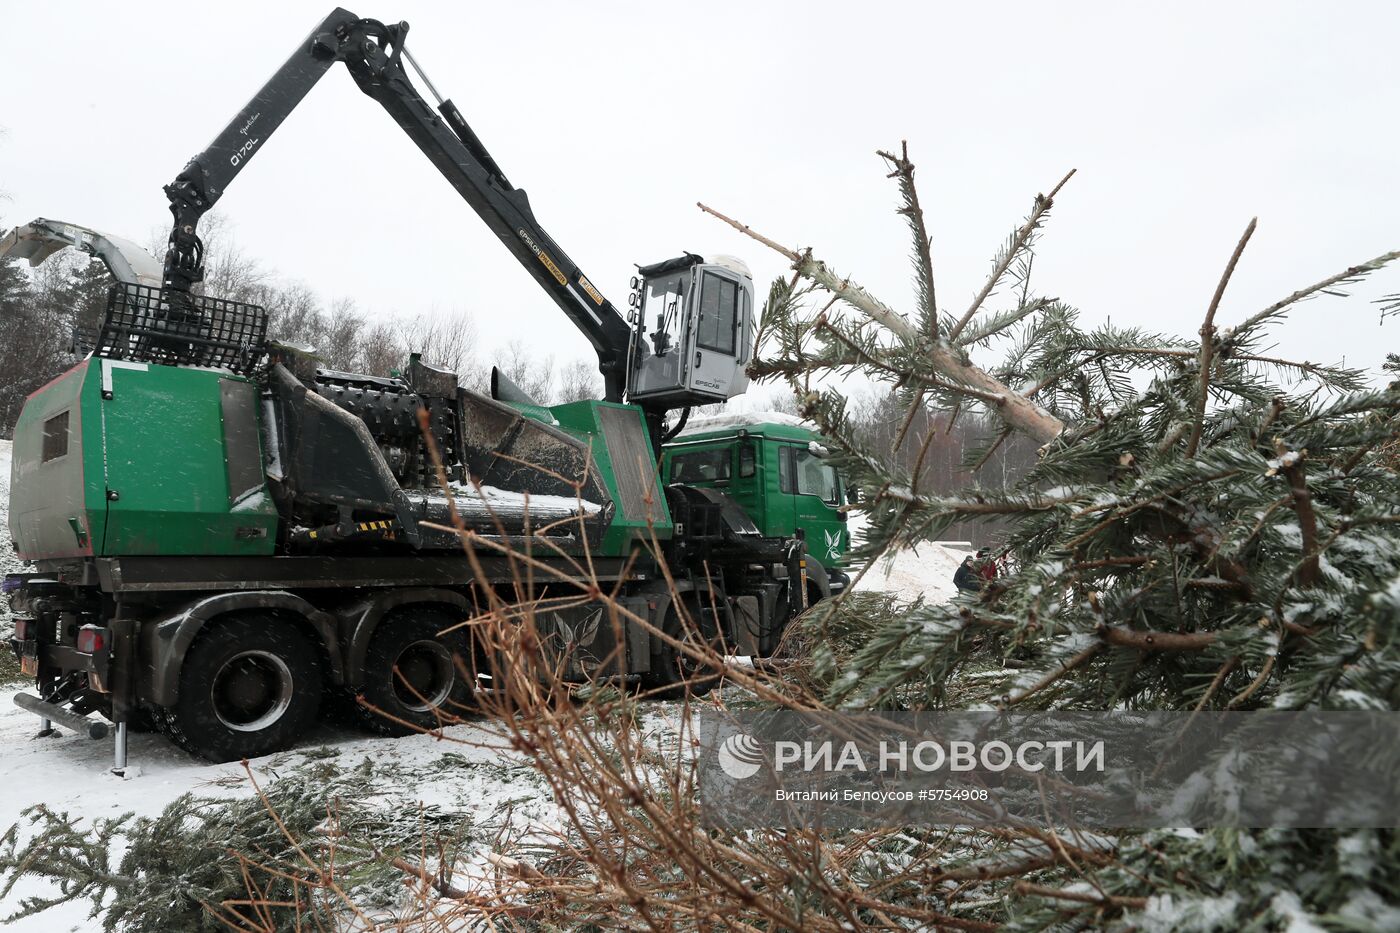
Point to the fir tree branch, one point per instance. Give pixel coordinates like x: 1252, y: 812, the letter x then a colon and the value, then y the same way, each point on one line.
x: 1080, y: 897
x: 1144, y: 640
x: 1016, y: 409
x: 982, y: 461
x: 923, y: 252
x: 1230, y: 664
x: 1208, y: 339
x: 1043, y: 203
x: 1064, y: 668
x: 1255, y: 684
x: 1000, y: 322
x: 1349, y: 274
x: 1291, y: 466
x: 1124, y: 560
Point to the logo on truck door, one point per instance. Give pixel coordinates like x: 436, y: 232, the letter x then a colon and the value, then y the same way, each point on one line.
x: 833, y: 543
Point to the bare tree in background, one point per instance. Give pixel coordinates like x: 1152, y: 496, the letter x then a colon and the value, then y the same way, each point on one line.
x: 294, y: 314
x: 38, y: 316
x: 577, y: 381
x: 229, y: 272
x: 344, y: 325
x: 530, y: 371
x: 783, y: 401
x: 382, y: 348
x: 445, y: 340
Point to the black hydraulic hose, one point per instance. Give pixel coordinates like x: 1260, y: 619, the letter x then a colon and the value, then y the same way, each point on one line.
x: 680, y: 425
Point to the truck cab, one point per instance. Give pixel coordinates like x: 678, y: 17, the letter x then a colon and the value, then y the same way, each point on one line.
x: 775, y: 468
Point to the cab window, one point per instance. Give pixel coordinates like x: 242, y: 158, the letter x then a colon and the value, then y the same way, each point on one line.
x: 748, y: 459
x: 719, y: 312
x: 701, y: 466
x: 55, y: 438
x: 802, y: 472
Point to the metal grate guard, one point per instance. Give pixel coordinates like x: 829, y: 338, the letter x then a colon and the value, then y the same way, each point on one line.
x: 153, y: 325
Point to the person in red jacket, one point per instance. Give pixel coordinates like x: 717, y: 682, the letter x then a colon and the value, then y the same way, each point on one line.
x: 987, y: 565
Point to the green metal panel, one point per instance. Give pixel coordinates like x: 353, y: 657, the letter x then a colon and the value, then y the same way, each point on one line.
x: 585, y: 420
x: 167, y: 484
x: 56, y: 504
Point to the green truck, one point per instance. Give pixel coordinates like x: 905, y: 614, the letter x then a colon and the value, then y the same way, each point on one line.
x: 223, y: 531
x: 775, y: 468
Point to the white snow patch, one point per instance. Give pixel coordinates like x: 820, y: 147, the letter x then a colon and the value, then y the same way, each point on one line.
x: 926, y: 571
x: 743, y: 419
x: 69, y: 773
x: 1178, y: 914
x: 1288, y: 907
x: 495, y: 496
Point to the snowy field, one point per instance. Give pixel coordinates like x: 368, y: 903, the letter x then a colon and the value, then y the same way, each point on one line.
x: 925, y: 571
x: 469, y: 770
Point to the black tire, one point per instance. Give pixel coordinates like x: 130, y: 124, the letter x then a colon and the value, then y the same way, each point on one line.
x: 250, y: 685
x: 418, y: 677
x: 674, y: 673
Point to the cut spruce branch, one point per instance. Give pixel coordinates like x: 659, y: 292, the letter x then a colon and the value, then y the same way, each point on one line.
x: 1208, y: 339
x: 1345, y: 277
x: 923, y: 251
x: 1019, y: 241
x: 1016, y: 409
x: 1291, y: 466
x: 1156, y: 641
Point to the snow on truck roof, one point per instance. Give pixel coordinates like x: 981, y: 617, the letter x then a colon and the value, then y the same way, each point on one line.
x: 749, y: 419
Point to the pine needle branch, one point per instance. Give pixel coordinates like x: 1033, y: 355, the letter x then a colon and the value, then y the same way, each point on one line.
x: 1019, y: 240
x: 1341, y: 278
x: 1016, y: 409
x: 1208, y: 339
x: 923, y: 252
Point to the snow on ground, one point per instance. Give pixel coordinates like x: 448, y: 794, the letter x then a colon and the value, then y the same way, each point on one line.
x: 926, y: 570
x: 469, y: 771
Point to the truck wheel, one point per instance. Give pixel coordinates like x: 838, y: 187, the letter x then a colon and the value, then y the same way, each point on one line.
x: 414, y: 674
x: 250, y: 685
x: 674, y: 673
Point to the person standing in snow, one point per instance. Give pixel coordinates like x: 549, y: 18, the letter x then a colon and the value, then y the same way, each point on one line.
x: 968, y: 577
x: 987, y: 568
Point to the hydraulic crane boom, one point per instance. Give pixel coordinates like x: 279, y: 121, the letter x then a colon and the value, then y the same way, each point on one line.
x: 374, y: 54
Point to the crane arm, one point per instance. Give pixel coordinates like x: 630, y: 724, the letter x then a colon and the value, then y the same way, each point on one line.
x: 374, y: 54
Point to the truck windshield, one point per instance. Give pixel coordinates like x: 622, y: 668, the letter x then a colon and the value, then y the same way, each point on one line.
x: 701, y: 466
x: 663, y: 310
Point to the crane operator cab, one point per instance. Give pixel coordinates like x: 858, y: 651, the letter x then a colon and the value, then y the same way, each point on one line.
x: 692, y: 331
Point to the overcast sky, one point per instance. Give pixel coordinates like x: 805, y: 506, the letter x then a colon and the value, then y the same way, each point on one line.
x: 1183, y: 121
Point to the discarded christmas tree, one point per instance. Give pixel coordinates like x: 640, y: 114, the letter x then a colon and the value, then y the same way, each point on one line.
x: 1208, y: 527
